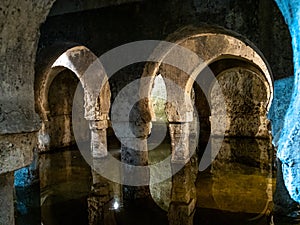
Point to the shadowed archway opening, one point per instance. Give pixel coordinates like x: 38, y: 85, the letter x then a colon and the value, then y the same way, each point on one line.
x: 60, y: 100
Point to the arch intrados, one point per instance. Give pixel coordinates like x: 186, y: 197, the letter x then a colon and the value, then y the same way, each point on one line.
x: 74, y: 57
x: 239, y: 62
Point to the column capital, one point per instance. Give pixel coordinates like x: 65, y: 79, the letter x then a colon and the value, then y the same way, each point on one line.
x: 98, y: 124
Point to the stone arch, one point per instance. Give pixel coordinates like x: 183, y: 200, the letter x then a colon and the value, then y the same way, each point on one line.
x: 215, y: 44
x: 211, y: 45
x: 86, y: 66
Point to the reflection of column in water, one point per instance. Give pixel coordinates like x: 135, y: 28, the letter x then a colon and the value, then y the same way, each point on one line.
x: 134, y: 152
x: 134, y: 156
x: 68, y: 164
x: 267, y: 155
x: 183, y: 197
x: 194, y: 128
x: 102, y: 200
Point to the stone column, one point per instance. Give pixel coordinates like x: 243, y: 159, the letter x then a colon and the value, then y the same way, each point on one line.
x: 16, y: 152
x: 6, y: 199
x: 98, y: 138
x: 18, y: 120
x: 180, y: 133
x: 180, y: 113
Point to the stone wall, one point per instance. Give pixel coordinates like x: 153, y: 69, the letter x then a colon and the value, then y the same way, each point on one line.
x: 70, y: 6
x: 246, y: 97
x: 19, y: 22
x: 288, y: 144
x: 19, y: 34
x: 261, y: 24
x: 259, y: 21
x: 283, y: 89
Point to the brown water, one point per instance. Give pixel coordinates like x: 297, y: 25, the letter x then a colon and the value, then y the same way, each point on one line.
x: 237, y: 189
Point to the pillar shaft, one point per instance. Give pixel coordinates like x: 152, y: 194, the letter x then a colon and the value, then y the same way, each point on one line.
x: 98, y: 138
x: 179, y: 133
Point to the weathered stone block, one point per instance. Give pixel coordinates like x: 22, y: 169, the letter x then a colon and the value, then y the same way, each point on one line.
x: 16, y: 151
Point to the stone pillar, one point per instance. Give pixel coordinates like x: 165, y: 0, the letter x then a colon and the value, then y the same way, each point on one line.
x: 179, y: 111
x: 18, y: 120
x: 98, y: 138
x: 183, y: 195
x: 180, y: 133
x: 6, y: 199
x: 16, y: 152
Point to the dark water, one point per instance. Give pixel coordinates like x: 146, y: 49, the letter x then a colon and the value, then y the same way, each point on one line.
x: 236, y: 189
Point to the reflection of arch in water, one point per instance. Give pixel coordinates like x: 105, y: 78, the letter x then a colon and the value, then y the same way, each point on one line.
x: 77, y: 59
x: 241, y: 176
